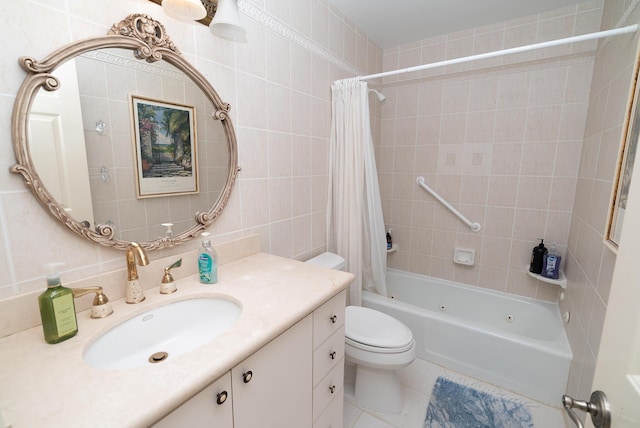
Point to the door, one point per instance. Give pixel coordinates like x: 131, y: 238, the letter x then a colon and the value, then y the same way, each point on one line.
x: 57, y: 142
x: 618, y: 365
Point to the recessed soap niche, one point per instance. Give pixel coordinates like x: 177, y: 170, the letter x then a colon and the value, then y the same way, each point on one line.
x: 464, y: 256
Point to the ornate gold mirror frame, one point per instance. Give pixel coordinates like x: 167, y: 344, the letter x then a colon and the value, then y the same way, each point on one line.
x: 148, y: 40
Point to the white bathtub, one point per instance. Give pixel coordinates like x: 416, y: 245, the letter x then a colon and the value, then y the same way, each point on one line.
x: 514, y: 342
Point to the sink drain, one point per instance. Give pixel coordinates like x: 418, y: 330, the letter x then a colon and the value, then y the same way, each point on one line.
x: 158, y: 357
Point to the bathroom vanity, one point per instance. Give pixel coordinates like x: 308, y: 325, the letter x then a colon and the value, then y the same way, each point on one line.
x: 280, y: 364
x: 271, y: 387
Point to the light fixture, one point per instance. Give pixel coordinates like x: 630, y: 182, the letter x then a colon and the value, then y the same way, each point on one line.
x: 226, y: 22
x: 184, y: 10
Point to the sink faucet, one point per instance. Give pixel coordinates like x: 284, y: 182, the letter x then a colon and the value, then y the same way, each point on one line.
x: 101, y: 306
x: 134, y: 292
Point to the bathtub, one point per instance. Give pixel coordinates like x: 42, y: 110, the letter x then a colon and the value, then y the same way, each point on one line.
x: 514, y: 342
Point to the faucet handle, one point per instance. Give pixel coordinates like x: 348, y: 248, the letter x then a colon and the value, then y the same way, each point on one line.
x: 101, y: 307
x: 167, y: 286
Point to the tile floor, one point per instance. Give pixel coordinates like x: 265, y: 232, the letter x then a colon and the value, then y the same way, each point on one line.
x: 417, y: 381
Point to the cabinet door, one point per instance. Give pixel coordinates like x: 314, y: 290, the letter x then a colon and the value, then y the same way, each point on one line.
x: 211, y: 407
x: 273, y: 387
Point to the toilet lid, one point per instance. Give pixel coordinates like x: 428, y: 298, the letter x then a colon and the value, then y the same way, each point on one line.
x: 328, y: 260
x: 375, y: 328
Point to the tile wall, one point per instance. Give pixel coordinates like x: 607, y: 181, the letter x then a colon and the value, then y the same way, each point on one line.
x: 500, y: 139
x: 590, y: 260
x: 278, y: 85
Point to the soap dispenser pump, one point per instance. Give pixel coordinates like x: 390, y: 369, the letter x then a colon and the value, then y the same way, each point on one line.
x: 207, y: 261
x: 57, y: 309
x: 537, y: 258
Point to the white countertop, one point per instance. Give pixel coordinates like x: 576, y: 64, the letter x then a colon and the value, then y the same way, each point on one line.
x: 51, y: 385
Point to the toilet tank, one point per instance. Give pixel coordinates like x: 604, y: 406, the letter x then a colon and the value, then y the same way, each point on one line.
x: 328, y: 260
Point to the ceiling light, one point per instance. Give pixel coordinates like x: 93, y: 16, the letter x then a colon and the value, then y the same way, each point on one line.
x: 226, y: 22
x: 184, y: 10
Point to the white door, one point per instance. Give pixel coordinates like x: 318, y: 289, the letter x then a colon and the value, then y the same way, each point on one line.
x: 57, y: 144
x: 618, y: 365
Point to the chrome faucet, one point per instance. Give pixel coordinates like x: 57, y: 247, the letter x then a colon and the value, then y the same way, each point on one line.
x: 134, y: 292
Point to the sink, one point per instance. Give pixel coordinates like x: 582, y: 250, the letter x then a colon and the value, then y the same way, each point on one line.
x: 161, y: 334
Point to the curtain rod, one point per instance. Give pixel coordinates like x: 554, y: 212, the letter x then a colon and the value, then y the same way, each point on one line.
x: 591, y: 36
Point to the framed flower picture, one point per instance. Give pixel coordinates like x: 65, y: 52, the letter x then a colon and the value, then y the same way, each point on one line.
x: 165, y: 152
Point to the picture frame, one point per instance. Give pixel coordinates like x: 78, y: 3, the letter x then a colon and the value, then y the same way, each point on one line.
x: 165, y: 149
x: 625, y: 165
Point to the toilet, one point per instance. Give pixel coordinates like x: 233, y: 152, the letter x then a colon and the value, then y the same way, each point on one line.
x: 378, y: 345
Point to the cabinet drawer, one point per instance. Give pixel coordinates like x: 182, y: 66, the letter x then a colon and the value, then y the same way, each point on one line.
x: 327, y: 355
x: 333, y: 416
x: 328, y: 318
x: 330, y: 387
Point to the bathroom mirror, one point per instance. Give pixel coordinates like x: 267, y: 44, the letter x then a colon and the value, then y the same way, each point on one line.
x: 121, y: 139
x: 625, y: 167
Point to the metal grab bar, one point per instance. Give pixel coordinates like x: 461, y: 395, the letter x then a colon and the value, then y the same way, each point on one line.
x: 474, y: 226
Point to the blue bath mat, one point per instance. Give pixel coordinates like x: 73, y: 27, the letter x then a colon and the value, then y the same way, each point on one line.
x: 455, y: 405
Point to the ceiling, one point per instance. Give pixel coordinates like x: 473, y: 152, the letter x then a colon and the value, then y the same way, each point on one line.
x: 391, y: 23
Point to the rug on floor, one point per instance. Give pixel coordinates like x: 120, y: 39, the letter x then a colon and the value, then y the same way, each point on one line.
x: 456, y: 405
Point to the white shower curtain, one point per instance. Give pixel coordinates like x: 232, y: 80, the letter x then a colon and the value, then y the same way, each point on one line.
x: 355, y: 226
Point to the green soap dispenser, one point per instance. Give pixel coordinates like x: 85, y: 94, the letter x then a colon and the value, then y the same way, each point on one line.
x: 57, y: 309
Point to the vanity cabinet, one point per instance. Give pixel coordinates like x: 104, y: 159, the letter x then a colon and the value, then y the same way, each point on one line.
x: 296, y: 380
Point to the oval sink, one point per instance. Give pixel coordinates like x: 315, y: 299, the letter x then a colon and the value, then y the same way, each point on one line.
x: 160, y: 334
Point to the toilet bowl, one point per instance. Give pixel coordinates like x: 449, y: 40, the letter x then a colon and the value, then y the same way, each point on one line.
x: 378, y: 345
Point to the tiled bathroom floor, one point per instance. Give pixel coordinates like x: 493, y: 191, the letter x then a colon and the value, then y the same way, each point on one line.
x: 417, y: 381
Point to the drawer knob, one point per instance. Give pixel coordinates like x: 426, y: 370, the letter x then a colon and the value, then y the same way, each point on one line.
x: 246, y: 376
x: 333, y: 318
x: 333, y: 355
x: 332, y: 388
x: 222, y: 397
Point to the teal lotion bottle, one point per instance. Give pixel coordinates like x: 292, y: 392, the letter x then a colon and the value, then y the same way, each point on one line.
x: 207, y: 261
x: 57, y: 310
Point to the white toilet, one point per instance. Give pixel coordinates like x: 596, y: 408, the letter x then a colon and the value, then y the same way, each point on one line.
x: 378, y: 345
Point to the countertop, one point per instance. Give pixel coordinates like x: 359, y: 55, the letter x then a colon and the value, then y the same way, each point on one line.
x: 51, y: 385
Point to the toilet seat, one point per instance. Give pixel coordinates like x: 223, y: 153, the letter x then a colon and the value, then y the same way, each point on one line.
x: 376, y: 331
x: 378, y: 350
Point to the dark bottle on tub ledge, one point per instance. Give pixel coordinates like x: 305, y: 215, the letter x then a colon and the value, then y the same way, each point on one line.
x: 537, y: 258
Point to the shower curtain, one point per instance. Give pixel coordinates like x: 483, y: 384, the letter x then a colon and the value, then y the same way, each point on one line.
x: 355, y: 225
